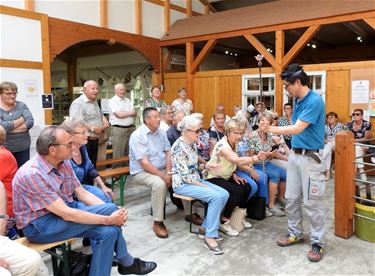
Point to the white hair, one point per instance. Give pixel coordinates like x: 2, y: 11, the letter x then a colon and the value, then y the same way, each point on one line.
x: 189, y: 122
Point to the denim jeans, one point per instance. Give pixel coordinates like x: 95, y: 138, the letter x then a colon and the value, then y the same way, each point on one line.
x: 215, y: 196
x: 275, y: 174
x: 98, y: 193
x: 108, y: 239
x: 260, y: 187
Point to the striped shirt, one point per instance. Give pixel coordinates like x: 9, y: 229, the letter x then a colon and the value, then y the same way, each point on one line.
x: 37, y: 184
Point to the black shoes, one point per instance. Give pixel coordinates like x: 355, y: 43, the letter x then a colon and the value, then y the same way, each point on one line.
x: 139, y: 267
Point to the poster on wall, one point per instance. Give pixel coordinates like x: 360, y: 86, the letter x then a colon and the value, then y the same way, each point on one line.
x: 47, y: 101
x: 31, y: 88
x: 360, y: 91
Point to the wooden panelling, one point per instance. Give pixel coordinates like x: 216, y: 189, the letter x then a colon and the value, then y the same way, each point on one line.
x: 171, y: 86
x: 206, y: 97
x: 227, y: 92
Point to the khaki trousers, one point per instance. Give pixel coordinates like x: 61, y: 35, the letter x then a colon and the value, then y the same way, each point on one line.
x: 120, y: 141
x: 158, y: 192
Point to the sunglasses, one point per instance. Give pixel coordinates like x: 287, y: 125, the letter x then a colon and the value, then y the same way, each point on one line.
x: 356, y: 114
x: 195, y: 131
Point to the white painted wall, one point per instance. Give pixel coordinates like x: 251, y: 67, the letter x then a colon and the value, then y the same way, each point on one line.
x: 19, y: 4
x: 198, y: 6
x: 20, y: 38
x: 175, y: 15
x: 181, y: 3
x: 21, y: 77
x: 124, y: 58
x: 121, y: 15
x: 153, y: 19
x: 82, y: 11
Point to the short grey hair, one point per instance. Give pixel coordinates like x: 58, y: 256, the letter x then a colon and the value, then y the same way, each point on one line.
x: 178, y: 112
x: 165, y: 109
x: 47, y: 138
x: 71, y: 124
x: 189, y: 122
x: 117, y: 85
x: 87, y: 83
x: 3, y: 135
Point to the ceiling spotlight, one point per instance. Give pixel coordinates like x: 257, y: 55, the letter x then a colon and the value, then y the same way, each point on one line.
x: 359, y: 38
x: 313, y: 46
x: 231, y: 54
x: 226, y: 52
x: 235, y: 54
x: 308, y: 44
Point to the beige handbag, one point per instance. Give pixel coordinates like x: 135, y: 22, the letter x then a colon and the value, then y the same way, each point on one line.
x: 237, y: 217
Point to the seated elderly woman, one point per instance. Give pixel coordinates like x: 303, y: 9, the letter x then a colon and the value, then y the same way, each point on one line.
x: 8, y: 170
x: 81, y: 163
x: 280, y: 158
x: 225, y: 156
x: 216, y: 131
x: 187, y: 182
x: 260, y: 141
x: 332, y: 127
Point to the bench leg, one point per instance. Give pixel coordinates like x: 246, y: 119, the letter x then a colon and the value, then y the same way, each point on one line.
x: 55, y: 267
x: 191, y: 214
x: 122, y: 182
x: 65, y: 260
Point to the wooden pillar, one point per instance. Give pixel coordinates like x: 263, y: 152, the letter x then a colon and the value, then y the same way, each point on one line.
x: 188, y: 8
x: 72, y: 70
x: 138, y: 17
x: 30, y: 5
x: 206, y: 9
x: 167, y: 15
x: 344, y: 186
x: 279, y: 49
x: 104, y: 13
x: 189, y: 67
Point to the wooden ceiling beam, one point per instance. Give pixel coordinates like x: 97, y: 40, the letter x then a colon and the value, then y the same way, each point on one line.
x: 300, y: 44
x: 202, y: 55
x: 370, y: 21
x: 261, y: 49
x: 208, y: 5
x: 272, y: 28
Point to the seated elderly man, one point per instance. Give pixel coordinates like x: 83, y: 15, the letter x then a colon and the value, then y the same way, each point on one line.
x: 150, y: 162
x: 15, y: 259
x: 46, y: 211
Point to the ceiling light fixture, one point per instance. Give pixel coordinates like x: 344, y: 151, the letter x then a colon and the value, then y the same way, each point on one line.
x: 313, y: 46
x: 226, y: 52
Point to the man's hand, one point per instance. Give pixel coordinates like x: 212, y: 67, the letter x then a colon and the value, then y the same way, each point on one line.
x: 119, y: 217
x: 167, y: 179
x: 239, y: 180
x: 4, y: 263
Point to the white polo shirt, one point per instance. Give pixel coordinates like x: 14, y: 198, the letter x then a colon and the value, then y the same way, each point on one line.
x: 120, y: 104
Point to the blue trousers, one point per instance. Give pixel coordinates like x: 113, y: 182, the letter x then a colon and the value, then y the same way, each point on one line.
x: 108, y: 239
x: 260, y: 187
x: 98, y: 193
x: 215, y: 196
x: 275, y: 174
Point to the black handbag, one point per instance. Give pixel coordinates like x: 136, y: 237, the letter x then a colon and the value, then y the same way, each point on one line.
x: 256, y: 208
x: 78, y: 262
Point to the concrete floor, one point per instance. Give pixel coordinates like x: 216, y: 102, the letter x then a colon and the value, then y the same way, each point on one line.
x: 253, y: 252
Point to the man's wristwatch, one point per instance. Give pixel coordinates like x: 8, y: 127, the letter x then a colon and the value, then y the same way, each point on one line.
x: 4, y: 217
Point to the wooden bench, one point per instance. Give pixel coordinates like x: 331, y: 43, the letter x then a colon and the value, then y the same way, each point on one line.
x: 121, y: 173
x: 192, y: 201
x: 50, y: 248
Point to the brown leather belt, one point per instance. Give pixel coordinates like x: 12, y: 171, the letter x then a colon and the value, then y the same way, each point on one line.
x: 123, y: 126
x: 309, y: 153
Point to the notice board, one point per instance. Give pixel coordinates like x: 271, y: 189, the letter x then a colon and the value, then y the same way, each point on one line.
x: 362, y: 81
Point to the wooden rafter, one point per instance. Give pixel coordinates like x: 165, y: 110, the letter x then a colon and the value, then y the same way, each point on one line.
x: 202, y: 55
x: 173, y: 6
x: 371, y: 22
x: 167, y: 15
x: 298, y: 46
x: 30, y: 5
x: 261, y: 49
x: 208, y: 5
x: 189, y: 56
x: 104, y: 13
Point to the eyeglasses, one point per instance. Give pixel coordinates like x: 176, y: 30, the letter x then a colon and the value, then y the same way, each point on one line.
x: 68, y: 145
x: 237, y: 133
x: 275, y: 118
x: 356, y: 114
x: 199, y: 130
x: 286, y: 85
x: 10, y: 94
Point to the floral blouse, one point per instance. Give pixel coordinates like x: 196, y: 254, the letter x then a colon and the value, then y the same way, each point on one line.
x: 150, y: 102
x: 256, y: 144
x: 184, y: 163
x: 204, y: 145
x: 330, y: 132
x: 186, y: 106
x: 214, y: 133
x: 366, y: 126
x: 283, y: 121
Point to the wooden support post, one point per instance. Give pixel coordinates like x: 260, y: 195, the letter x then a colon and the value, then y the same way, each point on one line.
x: 189, y: 8
x: 46, y: 65
x: 202, y: 55
x: 189, y: 74
x: 72, y: 70
x: 279, y: 89
x: 206, y: 9
x: 30, y: 5
x: 138, y: 17
x: 344, y: 186
x: 167, y: 15
x: 104, y: 13
x: 261, y: 49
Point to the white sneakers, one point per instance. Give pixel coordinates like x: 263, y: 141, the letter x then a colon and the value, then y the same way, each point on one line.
x: 246, y: 224
x: 228, y: 230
